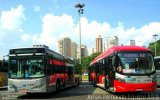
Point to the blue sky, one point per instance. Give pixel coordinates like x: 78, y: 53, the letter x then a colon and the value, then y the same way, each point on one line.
x: 27, y: 22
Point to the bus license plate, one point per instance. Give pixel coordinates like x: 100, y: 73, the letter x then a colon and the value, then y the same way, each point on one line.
x: 24, y: 90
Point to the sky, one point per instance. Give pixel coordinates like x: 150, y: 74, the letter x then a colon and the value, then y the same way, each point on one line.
x: 24, y: 23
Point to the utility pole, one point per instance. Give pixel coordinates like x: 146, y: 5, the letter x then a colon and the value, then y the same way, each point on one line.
x: 155, y: 47
x: 80, y: 11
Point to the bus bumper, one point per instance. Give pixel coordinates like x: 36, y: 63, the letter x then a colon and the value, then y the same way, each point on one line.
x: 134, y: 87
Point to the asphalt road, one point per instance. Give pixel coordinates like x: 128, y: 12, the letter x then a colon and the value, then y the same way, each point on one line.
x: 85, y: 91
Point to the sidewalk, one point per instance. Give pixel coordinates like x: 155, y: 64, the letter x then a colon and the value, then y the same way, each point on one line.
x: 85, y: 80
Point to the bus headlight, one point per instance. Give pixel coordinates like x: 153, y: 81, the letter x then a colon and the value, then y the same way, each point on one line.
x: 121, y: 80
x: 10, y: 85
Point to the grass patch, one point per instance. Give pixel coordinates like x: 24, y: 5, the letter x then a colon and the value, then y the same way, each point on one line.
x: 85, y: 77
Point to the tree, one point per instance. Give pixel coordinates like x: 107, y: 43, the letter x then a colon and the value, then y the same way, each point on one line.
x: 87, y: 60
x: 152, y: 47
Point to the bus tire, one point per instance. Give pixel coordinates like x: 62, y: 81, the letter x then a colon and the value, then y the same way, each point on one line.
x: 64, y: 84
x: 94, y: 83
x: 58, y: 86
x: 76, y: 81
x: 91, y: 81
x: 106, y: 84
x: 79, y: 81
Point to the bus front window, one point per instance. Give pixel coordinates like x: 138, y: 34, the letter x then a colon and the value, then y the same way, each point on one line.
x: 26, y: 67
x: 137, y: 63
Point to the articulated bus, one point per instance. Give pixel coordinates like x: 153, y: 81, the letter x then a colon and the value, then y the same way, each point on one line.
x: 157, y: 64
x: 39, y: 69
x: 124, y: 69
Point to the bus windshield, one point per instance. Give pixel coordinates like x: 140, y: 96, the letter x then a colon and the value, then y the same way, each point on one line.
x: 136, y: 62
x: 157, y: 63
x: 26, y: 67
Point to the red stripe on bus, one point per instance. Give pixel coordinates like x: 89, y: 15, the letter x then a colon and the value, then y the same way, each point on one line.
x: 132, y: 87
x: 56, y: 62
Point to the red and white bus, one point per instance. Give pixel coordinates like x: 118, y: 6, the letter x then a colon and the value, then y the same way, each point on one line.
x: 39, y: 69
x: 124, y: 69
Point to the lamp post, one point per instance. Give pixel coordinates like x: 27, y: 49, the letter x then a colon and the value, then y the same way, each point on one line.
x: 155, y: 48
x: 80, y: 11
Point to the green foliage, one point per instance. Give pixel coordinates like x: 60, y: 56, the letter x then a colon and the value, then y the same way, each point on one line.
x: 87, y: 60
x: 84, y: 77
x: 152, y: 47
x: 78, y: 69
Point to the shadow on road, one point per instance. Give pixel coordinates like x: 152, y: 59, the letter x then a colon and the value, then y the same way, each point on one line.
x: 86, y: 91
x: 85, y: 88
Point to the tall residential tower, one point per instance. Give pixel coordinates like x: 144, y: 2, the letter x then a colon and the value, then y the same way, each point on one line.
x: 99, y: 44
x: 112, y: 41
x: 64, y: 47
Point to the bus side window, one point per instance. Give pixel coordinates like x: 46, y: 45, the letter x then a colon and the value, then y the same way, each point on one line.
x: 97, y: 67
x: 109, y: 62
x: 54, y: 69
x: 49, y: 68
x: 63, y: 69
x: 106, y: 66
x: 70, y: 70
x: 103, y: 67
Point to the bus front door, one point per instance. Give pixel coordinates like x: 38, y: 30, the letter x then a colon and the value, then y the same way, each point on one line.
x: 70, y: 80
x: 111, y: 76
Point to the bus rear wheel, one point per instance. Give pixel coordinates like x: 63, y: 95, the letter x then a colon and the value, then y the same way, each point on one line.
x: 58, y: 86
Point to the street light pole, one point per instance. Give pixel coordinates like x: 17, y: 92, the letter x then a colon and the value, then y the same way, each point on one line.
x: 155, y: 48
x: 80, y: 11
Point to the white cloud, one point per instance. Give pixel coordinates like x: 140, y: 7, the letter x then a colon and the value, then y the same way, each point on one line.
x: 37, y: 8
x: 25, y: 37
x: 147, y: 31
x: 142, y: 36
x: 53, y: 28
x: 90, y: 30
x: 12, y: 19
x: 151, y: 28
x: 56, y: 27
x: 11, y: 30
